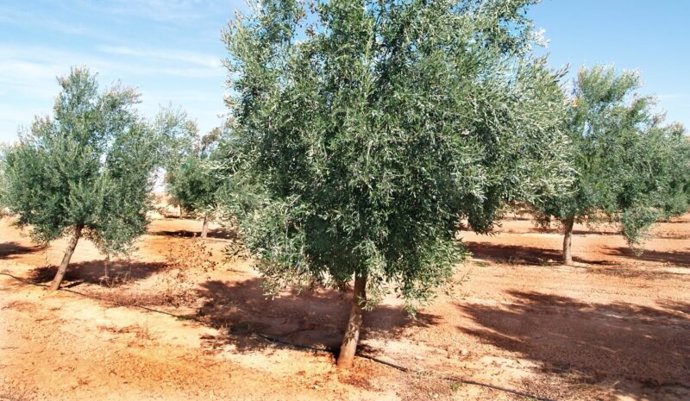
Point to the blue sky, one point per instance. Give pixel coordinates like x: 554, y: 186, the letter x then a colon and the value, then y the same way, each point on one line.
x: 171, y: 49
x: 651, y: 37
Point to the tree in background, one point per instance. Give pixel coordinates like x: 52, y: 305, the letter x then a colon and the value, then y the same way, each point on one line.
x: 367, y: 131
x: 194, y: 182
x: 178, y: 136
x: 2, y: 180
x: 84, y: 172
x: 630, y: 168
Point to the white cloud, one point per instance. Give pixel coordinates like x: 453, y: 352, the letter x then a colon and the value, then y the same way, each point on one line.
x: 139, y: 43
x: 189, y: 57
x: 673, y: 96
x: 26, y: 64
x: 167, y: 11
x: 44, y: 22
x: 28, y: 80
x: 26, y: 76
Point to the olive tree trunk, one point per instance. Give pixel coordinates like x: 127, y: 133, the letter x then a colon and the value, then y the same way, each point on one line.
x: 567, y: 240
x: 204, y: 227
x: 349, y: 344
x: 106, y: 265
x: 60, y: 275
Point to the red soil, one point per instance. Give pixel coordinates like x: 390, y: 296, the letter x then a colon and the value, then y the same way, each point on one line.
x: 516, y: 325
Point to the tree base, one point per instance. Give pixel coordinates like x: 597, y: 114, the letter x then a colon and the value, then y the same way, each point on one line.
x: 349, y: 345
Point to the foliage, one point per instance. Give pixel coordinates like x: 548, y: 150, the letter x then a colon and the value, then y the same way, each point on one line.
x: 89, y: 165
x: 195, y: 181
x: 177, y: 136
x: 2, y: 181
x: 365, y: 130
x: 630, y: 168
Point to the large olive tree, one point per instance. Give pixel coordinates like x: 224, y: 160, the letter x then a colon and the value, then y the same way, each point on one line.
x: 84, y: 172
x: 366, y: 131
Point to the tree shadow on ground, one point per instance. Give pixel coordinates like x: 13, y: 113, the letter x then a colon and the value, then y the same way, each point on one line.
x: 682, y: 307
x: 9, y: 250
x: 217, y: 233
x: 523, y: 255
x: 589, y: 342
x: 578, y: 231
x: 626, y: 271
x: 669, y: 235
x: 314, y: 319
x: 519, y: 217
x: 93, y: 272
x: 592, y: 231
x: 679, y: 258
x: 618, y: 232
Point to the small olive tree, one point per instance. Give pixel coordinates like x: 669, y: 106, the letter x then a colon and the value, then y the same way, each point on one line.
x: 3, y: 184
x: 630, y: 168
x: 178, y: 137
x: 2, y: 179
x: 194, y: 182
x: 365, y: 131
x: 84, y: 172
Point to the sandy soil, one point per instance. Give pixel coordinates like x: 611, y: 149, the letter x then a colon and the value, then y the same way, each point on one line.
x: 180, y: 321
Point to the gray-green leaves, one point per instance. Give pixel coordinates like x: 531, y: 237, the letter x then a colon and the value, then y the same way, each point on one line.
x: 89, y: 165
x: 366, y: 130
x: 630, y: 168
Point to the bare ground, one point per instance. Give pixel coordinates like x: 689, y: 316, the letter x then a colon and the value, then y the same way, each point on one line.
x: 178, y: 321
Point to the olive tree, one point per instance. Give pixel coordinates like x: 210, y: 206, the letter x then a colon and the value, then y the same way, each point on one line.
x: 3, y: 184
x: 85, y: 171
x: 630, y: 168
x: 194, y: 182
x: 366, y: 131
x: 178, y: 136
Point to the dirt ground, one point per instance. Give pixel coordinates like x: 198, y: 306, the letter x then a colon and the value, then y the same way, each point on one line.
x: 181, y: 321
